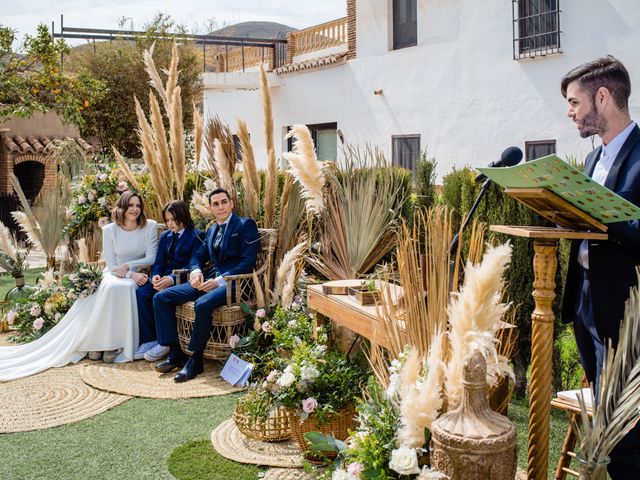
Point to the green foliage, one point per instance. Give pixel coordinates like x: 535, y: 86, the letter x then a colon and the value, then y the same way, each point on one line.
x: 119, y: 64
x: 425, y: 181
x: 568, y: 367
x: 31, y: 79
x: 459, y: 192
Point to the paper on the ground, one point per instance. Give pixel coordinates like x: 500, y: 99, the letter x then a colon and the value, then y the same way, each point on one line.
x: 569, y: 183
x: 571, y: 396
x: 236, y: 371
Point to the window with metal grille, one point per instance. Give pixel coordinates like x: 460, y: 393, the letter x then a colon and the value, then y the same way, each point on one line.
x: 325, y: 139
x: 538, y: 149
x: 405, y: 24
x: 405, y: 151
x: 536, y: 28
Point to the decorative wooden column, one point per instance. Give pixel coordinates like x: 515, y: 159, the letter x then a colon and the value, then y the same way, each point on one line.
x: 545, y: 247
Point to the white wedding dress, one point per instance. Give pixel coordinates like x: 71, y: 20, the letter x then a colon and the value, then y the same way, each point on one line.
x: 106, y: 320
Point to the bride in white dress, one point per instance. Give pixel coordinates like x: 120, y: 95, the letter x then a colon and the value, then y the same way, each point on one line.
x: 108, y: 319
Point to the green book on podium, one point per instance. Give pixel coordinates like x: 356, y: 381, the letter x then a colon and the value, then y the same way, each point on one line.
x: 563, y: 194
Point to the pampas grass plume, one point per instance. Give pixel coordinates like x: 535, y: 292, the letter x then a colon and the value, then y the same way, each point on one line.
x: 6, y: 242
x: 222, y: 166
x: 288, y: 262
x: 305, y: 167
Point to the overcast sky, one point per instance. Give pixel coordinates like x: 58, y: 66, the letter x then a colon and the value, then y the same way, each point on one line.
x: 25, y: 15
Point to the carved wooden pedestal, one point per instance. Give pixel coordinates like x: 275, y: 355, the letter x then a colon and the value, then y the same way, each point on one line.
x: 473, y: 442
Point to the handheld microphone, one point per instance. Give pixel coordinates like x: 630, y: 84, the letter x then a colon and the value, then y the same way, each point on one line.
x: 510, y: 157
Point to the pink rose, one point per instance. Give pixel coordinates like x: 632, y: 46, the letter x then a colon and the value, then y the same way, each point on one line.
x: 122, y: 186
x: 233, y: 341
x: 266, y: 327
x: 35, y: 310
x: 309, y: 404
x: 355, y: 469
x: 81, y: 200
x: 38, y: 323
x: 272, y: 376
x: 103, y: 222
x: 11, y: 317
x: 261, y: 313
x: 102, y: 176
x: 91, y: 196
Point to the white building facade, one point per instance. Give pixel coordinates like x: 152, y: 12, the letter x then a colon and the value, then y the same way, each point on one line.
x: 459, y: 91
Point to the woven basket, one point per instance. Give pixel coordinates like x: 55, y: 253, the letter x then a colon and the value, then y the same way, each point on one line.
x: 338, y: 425
x: 276, y: 428
x: 226, y: 322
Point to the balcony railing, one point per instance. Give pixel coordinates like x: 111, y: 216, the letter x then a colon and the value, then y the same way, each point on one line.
x: 318, y: 37
x: 241, y: 59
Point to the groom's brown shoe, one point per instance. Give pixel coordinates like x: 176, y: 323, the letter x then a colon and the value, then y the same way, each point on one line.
x: 173, y: 362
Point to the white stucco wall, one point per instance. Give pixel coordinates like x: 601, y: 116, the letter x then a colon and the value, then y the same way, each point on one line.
x: 459, y: 88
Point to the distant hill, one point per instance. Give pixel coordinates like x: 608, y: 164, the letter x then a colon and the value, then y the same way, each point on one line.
x: 254, y: 30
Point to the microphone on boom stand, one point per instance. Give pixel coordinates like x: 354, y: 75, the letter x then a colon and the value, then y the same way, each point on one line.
x: 510, y: 157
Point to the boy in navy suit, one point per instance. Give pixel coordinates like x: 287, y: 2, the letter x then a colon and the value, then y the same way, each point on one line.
x: 231, y: 245
x: 174, y: 251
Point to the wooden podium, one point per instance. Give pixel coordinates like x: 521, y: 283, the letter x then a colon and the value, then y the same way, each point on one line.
x: 573, y: 225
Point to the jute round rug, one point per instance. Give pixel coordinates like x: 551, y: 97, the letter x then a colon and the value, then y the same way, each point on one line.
x: 49, y: 399
x: 139, y: 379
x: 230, y: 443
x: 287, y: 474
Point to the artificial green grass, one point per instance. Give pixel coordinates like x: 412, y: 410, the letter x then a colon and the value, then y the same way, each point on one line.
x: 130, y: 442
x: 197, y: 460
x: 7, y: 282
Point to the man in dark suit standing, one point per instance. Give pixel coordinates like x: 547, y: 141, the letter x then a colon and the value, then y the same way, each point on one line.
x: 232, y: 246
x: 174, y: 252
x: 601, y: 273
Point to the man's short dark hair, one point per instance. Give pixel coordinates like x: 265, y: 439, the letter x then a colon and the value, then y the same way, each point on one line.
x: 180, y: 212
x: 217, y: 191
x: 608, y: 72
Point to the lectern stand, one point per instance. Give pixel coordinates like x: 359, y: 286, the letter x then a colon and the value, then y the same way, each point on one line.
x: 545, y: 245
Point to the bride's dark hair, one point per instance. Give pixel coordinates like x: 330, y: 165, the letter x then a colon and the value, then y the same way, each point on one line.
x: 117, y: 215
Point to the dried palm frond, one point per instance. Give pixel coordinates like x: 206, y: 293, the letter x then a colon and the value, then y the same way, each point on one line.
x: 250, y: 180
x: 305, y: 167
x: 215, y: 129
x: 45, y: 221
x: 289, y: 262
x: 618, y: 402
x: 225, y: 178
x: 176, y: 139
x: 364, y: 200
x: 162, y: 155
x: 473, y: 314
x: 271, y: 188
x: 67, y: 156
x: 154, y: 77
x: 420, y: 401
x: 128, y: 174
x: 198, y: 131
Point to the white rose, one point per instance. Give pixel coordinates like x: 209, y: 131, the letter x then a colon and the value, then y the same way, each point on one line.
x: 428, y: 474
x: 286, y: 380
x: 404, y: 460
x: 309, y: 373
x: 393, y: 385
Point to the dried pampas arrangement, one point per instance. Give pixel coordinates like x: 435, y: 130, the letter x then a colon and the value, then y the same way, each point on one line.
x: 473, y: 315
x: 287, y: 273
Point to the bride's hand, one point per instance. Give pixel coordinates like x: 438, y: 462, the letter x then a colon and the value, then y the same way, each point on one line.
x: 121, y: 271
x: 139, y: 278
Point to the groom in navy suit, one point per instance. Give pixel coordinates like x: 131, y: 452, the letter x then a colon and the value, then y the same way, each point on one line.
x: 174, y: 251
x: 601, y: 273
x: 231, y: 245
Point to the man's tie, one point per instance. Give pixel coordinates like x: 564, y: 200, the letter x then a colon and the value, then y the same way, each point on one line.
x: 217, y: 241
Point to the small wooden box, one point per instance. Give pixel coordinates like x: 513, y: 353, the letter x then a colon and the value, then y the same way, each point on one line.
x: 364, y: 296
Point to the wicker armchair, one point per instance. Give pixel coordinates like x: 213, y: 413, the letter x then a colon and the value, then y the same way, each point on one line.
x: 229, y: 319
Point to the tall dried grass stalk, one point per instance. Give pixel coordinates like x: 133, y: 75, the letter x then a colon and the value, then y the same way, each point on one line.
x: 147, y: 144
x: 172, y: 77
x: 250, y: 179
x: 198, y: 132
x: 305, y: 167
x: 289, y: 261
x: 161, y: 147
x: 291, y: 224
x: 176, y: 139
x: 618, y: 402
x: 225, y: 179
x: 421, y: 402
x: 154, y: 77
x: 267, y: 109
x: 271, y: 190
x: 257, y: 286
x: 473, y: 314
x: 200, y: 202
x: 7, y: 242
x: 289, y: 288
x: 128, y: 174
x: 215, y: 129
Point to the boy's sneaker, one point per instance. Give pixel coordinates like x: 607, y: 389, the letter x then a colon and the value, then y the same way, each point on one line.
x: 156, y: 353
x: 144, y: 348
